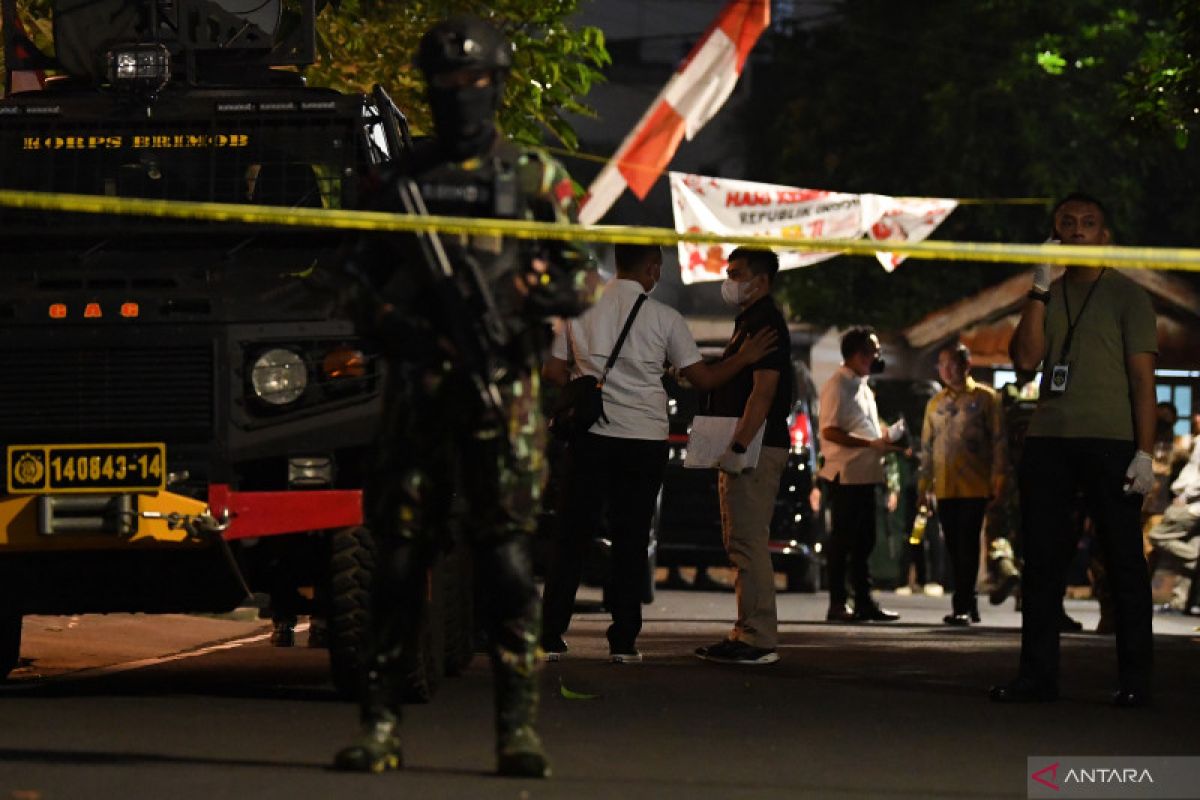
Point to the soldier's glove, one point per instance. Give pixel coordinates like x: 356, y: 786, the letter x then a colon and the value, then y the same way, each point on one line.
x: 1042, y: 272
x: 1139, y: 477
x: 733, y: 462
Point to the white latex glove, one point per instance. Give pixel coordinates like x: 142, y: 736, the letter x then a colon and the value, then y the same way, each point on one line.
x: 1042, y: 272
x: 1139, y: 477
x: 895, y: 431
x: 731, y: 462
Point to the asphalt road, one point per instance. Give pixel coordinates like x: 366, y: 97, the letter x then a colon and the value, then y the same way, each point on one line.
x: 870, y: 711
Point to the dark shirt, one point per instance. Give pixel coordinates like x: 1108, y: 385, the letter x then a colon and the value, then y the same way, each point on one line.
x: 730, y: 400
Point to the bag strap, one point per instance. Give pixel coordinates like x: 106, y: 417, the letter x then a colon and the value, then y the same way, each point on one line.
x: 612, y: 359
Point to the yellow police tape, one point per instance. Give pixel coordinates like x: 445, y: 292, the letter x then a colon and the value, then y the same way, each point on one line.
x: 1110, y: 256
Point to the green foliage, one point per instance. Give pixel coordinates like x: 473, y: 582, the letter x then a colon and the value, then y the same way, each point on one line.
x: 995, y: 98
x: 364, y: 42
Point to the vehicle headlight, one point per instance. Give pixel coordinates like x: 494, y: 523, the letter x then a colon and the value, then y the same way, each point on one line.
x: 279, y: 377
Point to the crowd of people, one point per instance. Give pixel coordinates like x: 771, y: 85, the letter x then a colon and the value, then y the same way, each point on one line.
x: 1084, y: 462
x: 462, y: 427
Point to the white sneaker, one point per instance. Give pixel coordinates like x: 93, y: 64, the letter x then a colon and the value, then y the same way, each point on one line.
x: 904, y: 591
x: 934, y: 590
x: 625, y: 658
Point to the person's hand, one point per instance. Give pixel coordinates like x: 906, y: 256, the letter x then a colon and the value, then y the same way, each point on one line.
x: 893, y: 501
x: 883, y: 445
x: 732, y: 463
x: 758, y: 345
x: 1139, y: 477
x: 1042, y: 272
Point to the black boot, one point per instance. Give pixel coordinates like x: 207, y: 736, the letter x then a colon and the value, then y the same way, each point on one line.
x: 377, y: 748
x: 515, y: 664
x: 519, y: 751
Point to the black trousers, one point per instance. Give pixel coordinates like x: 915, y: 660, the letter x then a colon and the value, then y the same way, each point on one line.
x: 962, y: 522
x: 851, y: 540
x: 617, y: 481
x: 1053, y: 472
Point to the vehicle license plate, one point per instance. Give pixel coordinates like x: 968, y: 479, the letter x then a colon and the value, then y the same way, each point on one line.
x: 83, y: 468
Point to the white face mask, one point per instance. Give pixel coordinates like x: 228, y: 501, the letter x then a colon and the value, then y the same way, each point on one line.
x: 735, y: 292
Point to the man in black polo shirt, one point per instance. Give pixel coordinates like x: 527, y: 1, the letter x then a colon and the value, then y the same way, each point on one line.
x: 760, y: 394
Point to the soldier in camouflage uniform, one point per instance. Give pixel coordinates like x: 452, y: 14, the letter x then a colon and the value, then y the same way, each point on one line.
x: 463, y: 420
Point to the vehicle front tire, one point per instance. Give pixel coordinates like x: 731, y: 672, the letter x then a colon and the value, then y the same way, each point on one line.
x: 10, y: 643
x: 352, y: 568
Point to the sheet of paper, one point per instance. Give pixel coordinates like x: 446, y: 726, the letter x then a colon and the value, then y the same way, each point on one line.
x: 709, y: 438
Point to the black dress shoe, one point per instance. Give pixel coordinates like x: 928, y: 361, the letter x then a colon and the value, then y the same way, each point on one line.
x: 840, y: 614
x: 1068, y: 625
x: 1131, y: 698
x: 874, y: 613
x: 958, y: 620
x: 1022, y: 691
x: 1003, y: 589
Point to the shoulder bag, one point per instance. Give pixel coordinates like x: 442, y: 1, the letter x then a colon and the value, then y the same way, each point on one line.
x: 581, y: 403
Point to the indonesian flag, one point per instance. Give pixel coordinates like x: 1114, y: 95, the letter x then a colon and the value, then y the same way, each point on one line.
x: 691, y: 98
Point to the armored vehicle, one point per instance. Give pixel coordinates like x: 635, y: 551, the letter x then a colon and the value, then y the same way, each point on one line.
x: 187, y: 410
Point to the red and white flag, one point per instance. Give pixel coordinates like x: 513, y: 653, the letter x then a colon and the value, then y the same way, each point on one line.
x: 691, y: 98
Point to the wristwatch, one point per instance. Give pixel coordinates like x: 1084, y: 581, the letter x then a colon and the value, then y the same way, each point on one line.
x: 737, y: 448
x: 1034, y: 294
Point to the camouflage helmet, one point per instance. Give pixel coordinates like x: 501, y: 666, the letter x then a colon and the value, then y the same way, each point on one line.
x: 463, y: 42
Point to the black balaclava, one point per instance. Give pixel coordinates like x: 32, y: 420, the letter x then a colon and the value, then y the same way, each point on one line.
x: 465, y: 117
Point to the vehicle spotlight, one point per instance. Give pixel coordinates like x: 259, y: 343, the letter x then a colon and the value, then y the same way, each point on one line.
x: 279, y: 377
x: 142, y: 69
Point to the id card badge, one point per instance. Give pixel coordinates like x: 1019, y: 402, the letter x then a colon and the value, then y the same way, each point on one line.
x: 1059, y: 375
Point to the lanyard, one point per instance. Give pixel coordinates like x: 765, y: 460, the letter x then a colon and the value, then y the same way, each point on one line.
x: 1071, y: 326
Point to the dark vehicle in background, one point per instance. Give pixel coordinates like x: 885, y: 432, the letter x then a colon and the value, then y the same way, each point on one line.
x: 689, y: 518
x: 187, y: 409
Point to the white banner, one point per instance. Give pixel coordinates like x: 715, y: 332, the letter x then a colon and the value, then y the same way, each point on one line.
x: 703, y: 204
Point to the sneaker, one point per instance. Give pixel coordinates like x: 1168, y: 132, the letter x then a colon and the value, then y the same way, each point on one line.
x: 733, y: 651
x: 934, y: 590
x: 633, y: 657
x: 904, y: 591
x: 554, y: 648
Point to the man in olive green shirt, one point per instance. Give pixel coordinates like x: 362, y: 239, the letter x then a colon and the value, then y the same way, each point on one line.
x: 1093, y: 335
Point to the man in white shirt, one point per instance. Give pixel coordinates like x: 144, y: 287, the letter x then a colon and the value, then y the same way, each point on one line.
x: 617, y: 467
x: 853, y: 443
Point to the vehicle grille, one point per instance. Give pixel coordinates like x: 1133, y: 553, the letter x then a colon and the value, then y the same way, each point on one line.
x: 92, y: 394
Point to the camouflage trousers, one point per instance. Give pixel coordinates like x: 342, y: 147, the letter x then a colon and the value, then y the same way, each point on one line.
x: 452, y: 472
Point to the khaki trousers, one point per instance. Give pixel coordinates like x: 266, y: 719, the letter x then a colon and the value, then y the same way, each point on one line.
x: 747, y: 503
